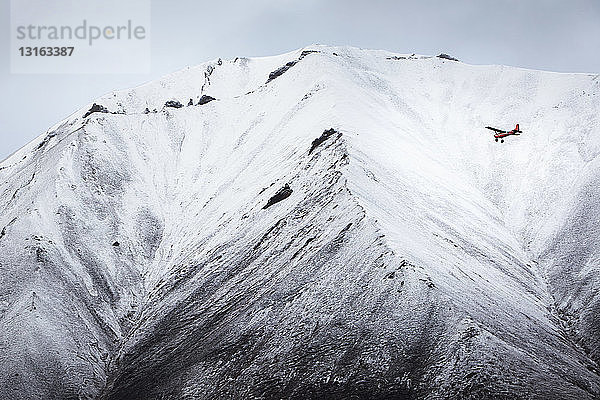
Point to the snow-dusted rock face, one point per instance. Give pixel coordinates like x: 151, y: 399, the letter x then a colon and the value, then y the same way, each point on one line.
x: 328, y: 223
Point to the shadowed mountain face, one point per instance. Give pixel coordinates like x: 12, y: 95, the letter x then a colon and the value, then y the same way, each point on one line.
x: 331, y: 223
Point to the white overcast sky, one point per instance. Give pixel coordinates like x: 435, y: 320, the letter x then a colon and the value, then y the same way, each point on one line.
x: 541, y: 34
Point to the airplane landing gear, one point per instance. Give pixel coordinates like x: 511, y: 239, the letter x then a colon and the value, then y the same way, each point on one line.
x: 502, y: 141
x: 496, y: 139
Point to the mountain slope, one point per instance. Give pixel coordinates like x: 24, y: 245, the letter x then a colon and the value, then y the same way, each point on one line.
x: 325, y: 223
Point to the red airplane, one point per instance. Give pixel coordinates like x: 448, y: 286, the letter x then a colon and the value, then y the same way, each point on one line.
x: 500, y: 134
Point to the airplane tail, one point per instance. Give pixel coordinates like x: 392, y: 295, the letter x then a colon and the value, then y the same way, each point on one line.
x: 517, y: 127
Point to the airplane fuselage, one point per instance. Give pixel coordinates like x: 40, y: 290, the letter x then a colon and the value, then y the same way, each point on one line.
x: 505, y: 134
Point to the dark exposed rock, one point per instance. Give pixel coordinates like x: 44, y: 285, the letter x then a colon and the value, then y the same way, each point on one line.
x: 191, y: 102
x: 281, y: 194
x: 428, y: 282
x: 173, y: 103
x: 447, y: 57
x: 281, y: 70
x: 115, y: 243
x: 390, y: 275
x: 3, y: 232
x: 205, y: 99
x: 146, y: 111
x: 43, y: 143
x: 413, y: 56
x: 307, y: 52
x: 324, y: 136
x: 26, y: 183
x: 303, y: 247
x: 95, y: 108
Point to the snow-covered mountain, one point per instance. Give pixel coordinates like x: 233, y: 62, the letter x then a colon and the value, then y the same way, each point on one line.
x: 328, y: 223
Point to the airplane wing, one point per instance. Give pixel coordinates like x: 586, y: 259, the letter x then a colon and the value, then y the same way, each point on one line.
x: 495, y: 129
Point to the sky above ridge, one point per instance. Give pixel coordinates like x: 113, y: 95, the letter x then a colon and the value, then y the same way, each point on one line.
x: 539, y: 34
